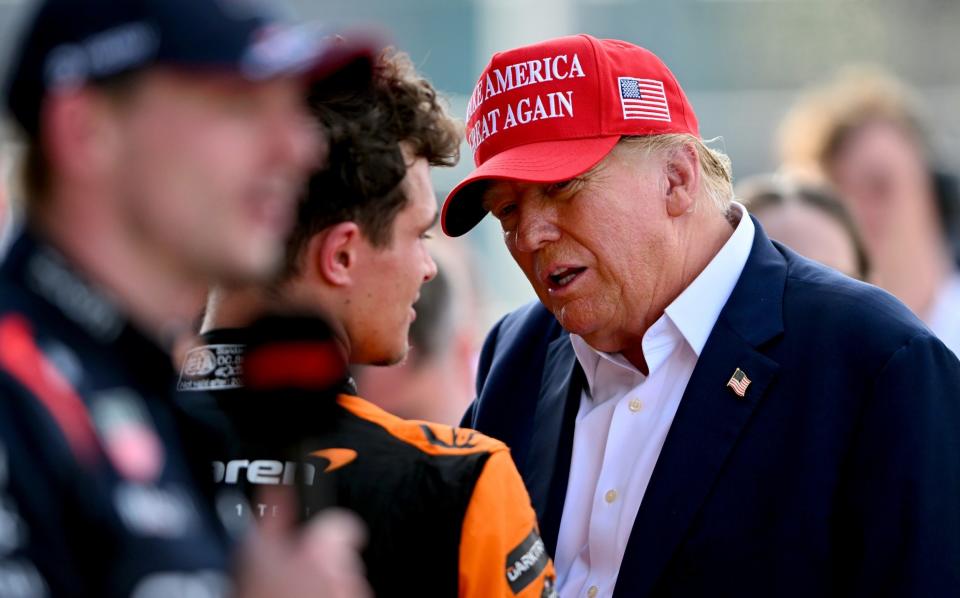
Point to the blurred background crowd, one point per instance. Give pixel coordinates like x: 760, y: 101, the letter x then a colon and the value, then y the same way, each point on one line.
x: 842, y: 118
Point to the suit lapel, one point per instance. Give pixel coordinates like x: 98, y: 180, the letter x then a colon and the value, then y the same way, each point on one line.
x: 547, y: 466
x: 709, y: 420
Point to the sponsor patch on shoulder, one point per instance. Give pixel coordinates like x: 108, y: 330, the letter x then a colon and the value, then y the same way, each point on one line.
x: 526, y: 562
x: 128, y: 434
x: 212, y: 367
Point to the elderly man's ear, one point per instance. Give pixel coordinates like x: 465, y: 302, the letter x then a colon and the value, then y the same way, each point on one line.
x: 682, y: 169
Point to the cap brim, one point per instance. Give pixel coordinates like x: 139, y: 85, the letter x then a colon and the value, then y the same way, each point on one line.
x: 543, y: 162
x: 354, y: 50
x: 310, y: 52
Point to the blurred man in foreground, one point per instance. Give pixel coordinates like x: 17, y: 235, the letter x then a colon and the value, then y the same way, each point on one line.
x: 6, y: 210
x: 144, y: 121
x: 446, y: 512
x: 696, y: 411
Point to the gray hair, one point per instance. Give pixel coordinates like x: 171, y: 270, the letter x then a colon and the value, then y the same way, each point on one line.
x: 715, y: 166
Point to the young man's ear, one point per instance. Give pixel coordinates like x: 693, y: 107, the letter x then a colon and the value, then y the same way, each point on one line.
x: 683, y: 180
x: 332, y: 253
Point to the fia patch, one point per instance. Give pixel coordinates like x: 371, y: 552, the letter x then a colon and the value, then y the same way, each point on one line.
x: 526, y: 562
x: 212, y: 367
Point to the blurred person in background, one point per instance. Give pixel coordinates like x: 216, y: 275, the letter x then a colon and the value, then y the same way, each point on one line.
x: 688, y: 397
x: 807, y: 218
x: 445, y: 509
x: 436, y: 381
x: 144, y: 122
x: 863, y: 133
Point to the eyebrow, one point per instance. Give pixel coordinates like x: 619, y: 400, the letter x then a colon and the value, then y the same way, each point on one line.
x: 434, y: 220
x: 485, y: 201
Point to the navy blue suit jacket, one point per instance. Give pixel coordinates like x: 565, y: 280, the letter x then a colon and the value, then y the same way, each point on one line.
x: 838, y: 474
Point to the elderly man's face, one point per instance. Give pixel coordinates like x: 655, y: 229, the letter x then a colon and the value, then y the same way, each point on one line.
x: 601, y: 251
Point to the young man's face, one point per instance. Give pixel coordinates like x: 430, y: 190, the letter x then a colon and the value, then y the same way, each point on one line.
x: 210, y: 167
x: 388, y: 279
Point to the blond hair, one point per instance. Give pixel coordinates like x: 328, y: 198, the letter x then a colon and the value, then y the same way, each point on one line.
x: 818, y: 124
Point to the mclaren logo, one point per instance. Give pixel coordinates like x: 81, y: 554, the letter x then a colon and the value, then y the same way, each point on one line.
x: 274, y: 473
x: 264, y: 472
x: 338, y: 457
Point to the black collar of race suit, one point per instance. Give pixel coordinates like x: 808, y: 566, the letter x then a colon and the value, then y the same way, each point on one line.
x: 277, y: 353
x: 61, y: 293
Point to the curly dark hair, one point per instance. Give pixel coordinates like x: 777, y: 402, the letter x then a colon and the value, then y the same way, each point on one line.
x: 365, y: 129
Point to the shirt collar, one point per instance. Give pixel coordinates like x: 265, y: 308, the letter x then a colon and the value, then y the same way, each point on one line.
x: 690, y: 317
x: 58, y: 288
x: 617, y: 375
x: 48, y: 275
x: 593, y: 361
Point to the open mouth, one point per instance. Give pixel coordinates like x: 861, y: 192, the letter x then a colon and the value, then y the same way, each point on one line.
x: 563, y: 277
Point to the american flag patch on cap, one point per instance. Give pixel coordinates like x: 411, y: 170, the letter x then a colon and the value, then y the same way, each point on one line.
x: 643, y: 98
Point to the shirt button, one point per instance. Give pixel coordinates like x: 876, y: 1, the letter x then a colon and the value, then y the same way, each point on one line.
x: 610, y: 496
x: 636, y: 405
x: 592, y: 592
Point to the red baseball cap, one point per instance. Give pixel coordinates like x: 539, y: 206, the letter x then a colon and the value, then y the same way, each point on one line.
x: 551, y: 111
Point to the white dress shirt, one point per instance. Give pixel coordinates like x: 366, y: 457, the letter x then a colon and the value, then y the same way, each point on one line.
x: 623, y: 421
x: 943, y: 317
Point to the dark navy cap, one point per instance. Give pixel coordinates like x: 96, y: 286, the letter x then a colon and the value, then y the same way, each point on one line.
x: 70, y: 43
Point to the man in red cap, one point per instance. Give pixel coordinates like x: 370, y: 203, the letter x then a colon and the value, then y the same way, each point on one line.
x: 696, y: 410
x: 167, y: 142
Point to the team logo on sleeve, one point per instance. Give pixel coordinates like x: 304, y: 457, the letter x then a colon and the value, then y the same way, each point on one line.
x: 459, y: 438
x: 526, y: 562
x: 128, y: 434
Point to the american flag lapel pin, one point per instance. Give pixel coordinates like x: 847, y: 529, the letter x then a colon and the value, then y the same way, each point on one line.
x: 739, y: 382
